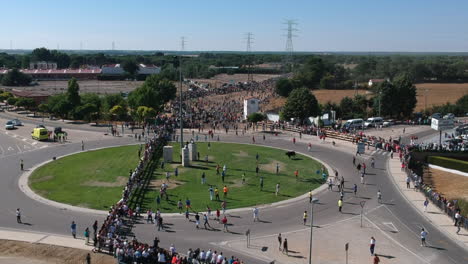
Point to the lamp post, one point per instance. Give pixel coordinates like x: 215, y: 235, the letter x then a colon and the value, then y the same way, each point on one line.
x: 425, y: 100
x: 314, y: 201
x: 380, y: 101
x: 180, y: 106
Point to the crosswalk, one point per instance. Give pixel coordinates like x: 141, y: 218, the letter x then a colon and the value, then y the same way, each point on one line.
x: 380, y: 152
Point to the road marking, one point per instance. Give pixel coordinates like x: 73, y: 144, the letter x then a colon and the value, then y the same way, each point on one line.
x: 396, y: 242
x: 10, y: 149
x: 34, y: 143
x: 391, y: 225
x: 24, y: 139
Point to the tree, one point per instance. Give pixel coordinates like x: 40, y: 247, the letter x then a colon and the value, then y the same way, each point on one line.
x: 256, y: 117
x: 154, y: 93
x: 397, y: 99
x: 119, y: 112
x: 44, y: 108
x: 5, y: 95
x: 407, y: 95
x: 130, y: 67
x: 27, y: 103
x: 87, y: 111
x: 59, y: 105
x: 16, y: 78
x: 462, y: 103
x: 327, y: 81
x: 41, y: 54
x: 284, y: 87
x: 346, y: 107
x: 73, y: 93
x: 311, y: 73
x: 12, y: 100
x: 300, y: 105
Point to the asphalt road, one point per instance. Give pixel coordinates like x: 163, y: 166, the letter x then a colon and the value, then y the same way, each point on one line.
x: 394, y: 209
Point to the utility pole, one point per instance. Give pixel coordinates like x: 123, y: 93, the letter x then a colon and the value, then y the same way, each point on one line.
x: 314, y: 201
x: 249, y: 39
x: 425, y: 100
x: 380, y: 101
x: 291, y: 27
x: 182, y: 42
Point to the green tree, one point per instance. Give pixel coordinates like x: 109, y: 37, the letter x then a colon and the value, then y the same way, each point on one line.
x: 5, y: 95
x: 130, y: 67
x: 284, y: 87
x: 41, y: 54
x: 87, y: 111
x: 256, y: 117
x: 12, y: 100
x: 346, y: 107
x: 16, y: 78
x: 311, y: 73
x: 44, y: 108
x: 59, y: 105
x: 27, y: 103
x: 73, y: 93
x: 327, y: 81
x: 154, y: 93
x: 301, y: 104
x: 407, y: 95
x: 462, y: 103
x: 119, y: 112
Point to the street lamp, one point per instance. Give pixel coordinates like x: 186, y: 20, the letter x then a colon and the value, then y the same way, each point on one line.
x: 380, y: 101
x: 180, y: 106
x: 314, y: 201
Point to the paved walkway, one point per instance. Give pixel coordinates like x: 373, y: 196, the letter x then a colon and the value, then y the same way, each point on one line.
x: 436, y: 216
x: 44, y: 238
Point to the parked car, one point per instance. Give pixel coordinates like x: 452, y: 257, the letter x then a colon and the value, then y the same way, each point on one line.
x: 436, y: 115
x: 373, y: 122
x: 17, y: 122
x: 389, y: 122
x: 354, y: 123
x: 449, y: 116
x: 9, y: 125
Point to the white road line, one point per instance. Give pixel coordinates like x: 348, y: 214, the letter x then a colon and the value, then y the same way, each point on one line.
x: 1, y: 148
x: 391, y: 225
x: 373, y: 152
x: 10, y: 149
x: 394, y: 241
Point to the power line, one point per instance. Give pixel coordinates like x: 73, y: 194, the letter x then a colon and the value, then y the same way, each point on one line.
x: 249, y: 39
x: 291, y: 28
x: 182, y: 43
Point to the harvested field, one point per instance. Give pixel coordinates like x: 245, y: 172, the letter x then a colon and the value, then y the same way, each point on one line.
x: 439, y: 93
x: 449, y: 184
x: 335, y: 96
x: 24, y: 252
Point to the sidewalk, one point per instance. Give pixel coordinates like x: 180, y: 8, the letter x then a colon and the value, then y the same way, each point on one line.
x: 44, y: 238
x: 434, y: 215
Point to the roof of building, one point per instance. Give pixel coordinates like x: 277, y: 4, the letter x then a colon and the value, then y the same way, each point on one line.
x: 63, y: 71
x: 376, y: 80
x: 22, y: 93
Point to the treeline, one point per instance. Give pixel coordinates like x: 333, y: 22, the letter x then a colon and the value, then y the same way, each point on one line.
x: 142, y: 103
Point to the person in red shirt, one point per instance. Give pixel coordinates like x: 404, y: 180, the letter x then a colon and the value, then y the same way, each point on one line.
x: 294, y: 140
x: 376, y: 259
x: 296, y: 173
x: 225, y: 191
x: 224, y: 221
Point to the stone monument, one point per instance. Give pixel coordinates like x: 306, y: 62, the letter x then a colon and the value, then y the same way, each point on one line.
x: 192, y: 151
x: 167, y: 154
x: 185, y: 157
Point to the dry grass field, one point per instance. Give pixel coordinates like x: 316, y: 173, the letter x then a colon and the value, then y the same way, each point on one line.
x: 439, y: 93
x: 450, y: 185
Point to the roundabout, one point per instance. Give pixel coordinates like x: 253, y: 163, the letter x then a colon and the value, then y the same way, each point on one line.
x: 393, y: 223
x: 94, y: 179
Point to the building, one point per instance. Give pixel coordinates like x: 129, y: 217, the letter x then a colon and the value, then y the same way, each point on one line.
x: 376, y: 81
x: 117, y: 70
x: 38, y: 97
x: 251, y: 105
x: 65, y: 74
x: 43, y: 65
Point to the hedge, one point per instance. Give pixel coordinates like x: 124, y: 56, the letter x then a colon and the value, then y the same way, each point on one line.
x: 448, y: 163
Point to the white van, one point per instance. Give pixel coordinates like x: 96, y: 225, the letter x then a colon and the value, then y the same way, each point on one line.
x: 373, y: 122
x: 354, y: 123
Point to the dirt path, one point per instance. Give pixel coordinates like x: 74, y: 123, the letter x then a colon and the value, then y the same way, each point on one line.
x: 29, y: 253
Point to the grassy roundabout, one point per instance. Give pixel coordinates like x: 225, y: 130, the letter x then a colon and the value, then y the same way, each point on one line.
x: 95, y: 179
x: 92, y: 179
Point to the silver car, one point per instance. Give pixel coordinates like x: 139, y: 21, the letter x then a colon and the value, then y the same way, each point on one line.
x: 17, y: 122
x: 9, y: 125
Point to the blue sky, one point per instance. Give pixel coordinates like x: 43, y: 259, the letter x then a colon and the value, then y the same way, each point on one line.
x: 323, y: 25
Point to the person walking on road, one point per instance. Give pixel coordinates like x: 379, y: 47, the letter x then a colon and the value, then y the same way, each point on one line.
x: 376, y: 259
x: 205, y: 221
x: 18, y: 216
x: 82, y: 145
x: 372, y: 246
x: 277, y: 189
x: 280, y: 240
x: 255, y: 214
x: 423, y: 237
x: 408, y: 180
x: 426, y: 203
x: 330, y: 184
x: 21, y: 164
x: 340, y: 205
x: 224, y: 221
x: 310, y: 196
x: 355, y: 189
x: 73, y: 229
x: 379, y: 196
x: 285, y: 246
x: 86, y: 235
x: 304, y: 217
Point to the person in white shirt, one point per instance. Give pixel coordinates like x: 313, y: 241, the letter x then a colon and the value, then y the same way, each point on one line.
x: 219, y: 258
x: 255, y: 214
x: 423, y: 237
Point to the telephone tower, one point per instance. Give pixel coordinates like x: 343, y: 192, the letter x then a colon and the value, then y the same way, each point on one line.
x: 182, y: 43
x: 249, y: 40
x: 291, y: 28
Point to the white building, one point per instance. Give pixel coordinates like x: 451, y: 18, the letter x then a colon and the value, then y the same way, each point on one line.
x: 43, y: 65
x: 117, y: 69
x: 251, y: 105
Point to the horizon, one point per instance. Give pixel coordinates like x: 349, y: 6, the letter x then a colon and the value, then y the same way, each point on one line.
x: 337, y: 26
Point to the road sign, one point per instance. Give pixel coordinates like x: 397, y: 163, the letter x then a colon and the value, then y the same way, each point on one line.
x: 346, y: 246
x: 441, y: 124
x: 362, y: 203
x: 361, y: 147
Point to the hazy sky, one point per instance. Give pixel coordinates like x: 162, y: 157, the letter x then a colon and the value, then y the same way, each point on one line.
x: 323, y: 25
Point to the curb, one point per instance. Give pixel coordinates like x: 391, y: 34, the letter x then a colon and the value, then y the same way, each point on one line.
x: 25, y: 188
x: 417, y: 209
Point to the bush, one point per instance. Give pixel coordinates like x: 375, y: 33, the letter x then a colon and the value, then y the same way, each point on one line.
x: 256, y: 117
x: 448, y: 163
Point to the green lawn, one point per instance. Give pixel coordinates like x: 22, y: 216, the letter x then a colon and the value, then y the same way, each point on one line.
x: 93, y: 179
x: 239, y: 159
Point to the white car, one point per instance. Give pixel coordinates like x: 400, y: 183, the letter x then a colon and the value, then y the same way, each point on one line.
x: 17, y: 122
x: 9, y: 125
x: 449, y: 116
x: 388, y: 123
